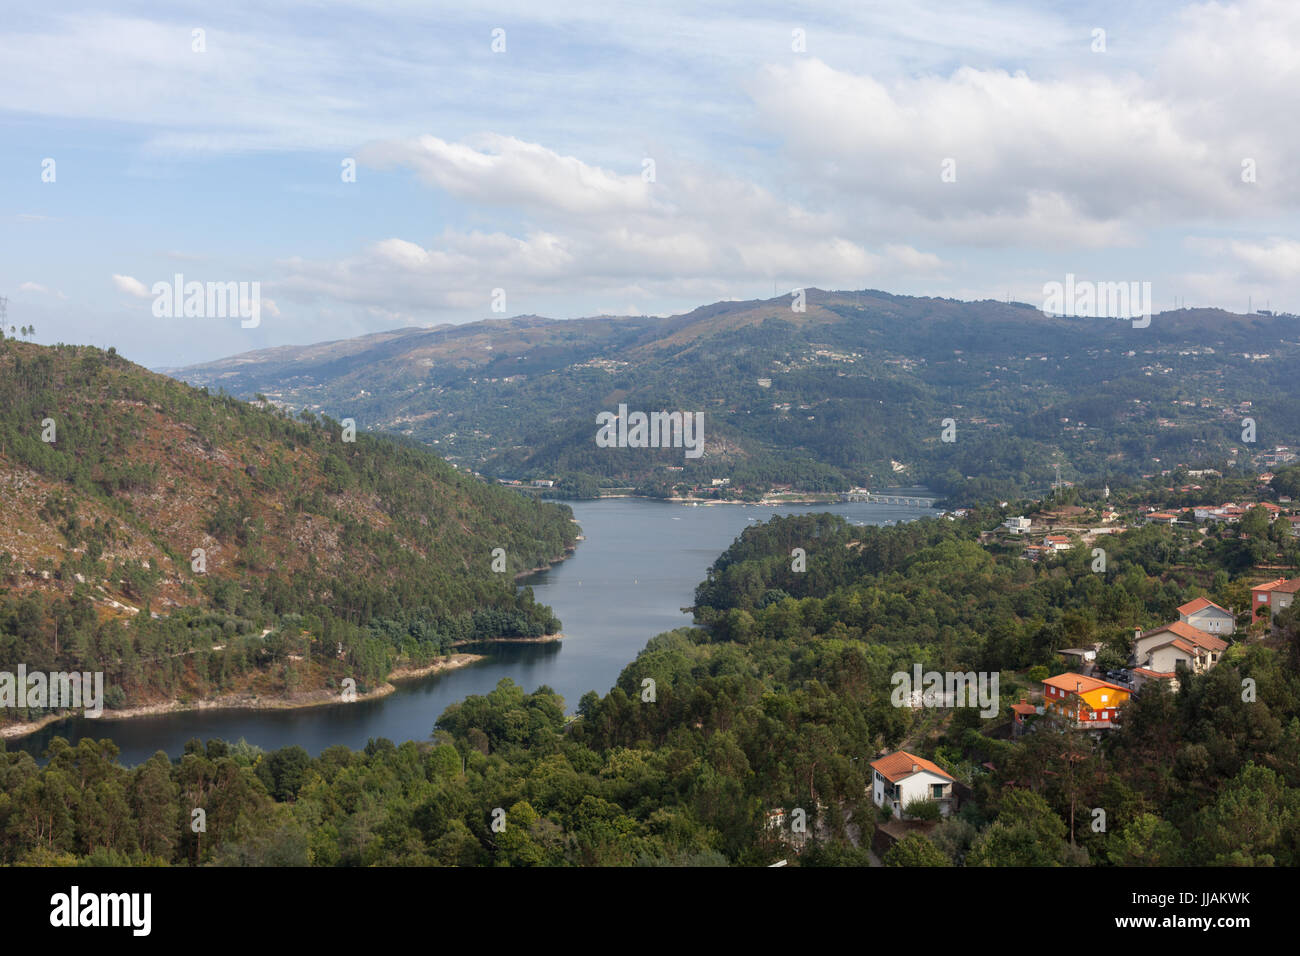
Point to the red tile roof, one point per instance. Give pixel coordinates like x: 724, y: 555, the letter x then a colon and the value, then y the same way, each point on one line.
x: 1079, y: 683
x: 897, y: 766
x: 1200, y: 604
x: 1191, y: 634
x: 1147, y: 672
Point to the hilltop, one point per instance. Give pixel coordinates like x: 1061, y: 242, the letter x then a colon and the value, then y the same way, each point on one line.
x: 189, y: 545
x: 852, y: 390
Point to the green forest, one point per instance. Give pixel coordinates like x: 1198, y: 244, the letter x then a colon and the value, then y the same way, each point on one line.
x: 327, y: 558
x: 778, y: 698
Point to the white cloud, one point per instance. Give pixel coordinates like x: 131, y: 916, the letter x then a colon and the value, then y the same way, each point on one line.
x: 131, y: 286
x: 1273, y: 259
x: 502, y: 170
x: 774, y: 169
x: 1091, y: 155
x: 598, y: 233
x: 1085, y: 157
x: 41, y: 290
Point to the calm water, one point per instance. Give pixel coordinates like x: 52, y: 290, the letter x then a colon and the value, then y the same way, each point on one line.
x: 627, y: 582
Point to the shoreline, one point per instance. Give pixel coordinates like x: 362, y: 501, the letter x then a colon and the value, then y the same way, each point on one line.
x: 301, y: 700
x: 568, y: 553
x: 811, y: 499
x: 543, y: 639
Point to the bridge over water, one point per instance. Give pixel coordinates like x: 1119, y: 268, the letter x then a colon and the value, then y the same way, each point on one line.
x: 911, y: 501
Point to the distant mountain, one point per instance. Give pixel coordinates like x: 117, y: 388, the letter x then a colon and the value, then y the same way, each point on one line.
x: 189, y: 545
x: 854, y: 389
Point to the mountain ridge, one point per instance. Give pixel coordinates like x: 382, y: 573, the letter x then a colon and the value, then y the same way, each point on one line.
x: 515, y: 398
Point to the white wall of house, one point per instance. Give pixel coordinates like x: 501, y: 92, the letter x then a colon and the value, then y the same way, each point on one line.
x: 1279, y: 602
x: 1165, y: 659
x: 917, y: 786
x: 1142, y: 646
x: 1213, y: 620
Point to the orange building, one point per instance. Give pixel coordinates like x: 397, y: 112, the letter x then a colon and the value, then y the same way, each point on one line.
x: 1084, y: 700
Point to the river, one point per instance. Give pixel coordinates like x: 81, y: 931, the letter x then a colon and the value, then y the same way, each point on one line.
x: 628, y: 581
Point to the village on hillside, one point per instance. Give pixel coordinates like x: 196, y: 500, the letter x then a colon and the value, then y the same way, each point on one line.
x: 913, y: 794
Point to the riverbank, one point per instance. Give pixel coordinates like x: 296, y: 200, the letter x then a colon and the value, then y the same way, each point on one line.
x: 811, y: 498
x: 303, y: 699
x: 543, y: 639
x: 569, y: 550
x: 311, y: 698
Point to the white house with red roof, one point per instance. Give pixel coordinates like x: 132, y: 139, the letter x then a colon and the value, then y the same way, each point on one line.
x: 1162, y: 517
x: 901, y: 778
x: 1205, y: 615
x: 1162, y: 649
x: 1057, y: 542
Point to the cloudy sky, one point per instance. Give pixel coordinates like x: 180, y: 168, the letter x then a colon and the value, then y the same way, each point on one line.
x: 631, y: 158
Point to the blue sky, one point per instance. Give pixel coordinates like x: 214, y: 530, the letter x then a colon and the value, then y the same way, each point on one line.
x: 523, y: 170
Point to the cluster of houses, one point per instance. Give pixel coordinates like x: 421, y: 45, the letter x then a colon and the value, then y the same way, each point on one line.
x: 1195, y: 642
x: 1052, y: 543
x: 1083, y: 700
x: 1226, y: 513
x: 1054, y: 530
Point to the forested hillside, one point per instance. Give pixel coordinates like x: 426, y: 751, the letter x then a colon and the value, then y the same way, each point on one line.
x: 781, y: 701
x: 854, y: 389
x: 189, y: 545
